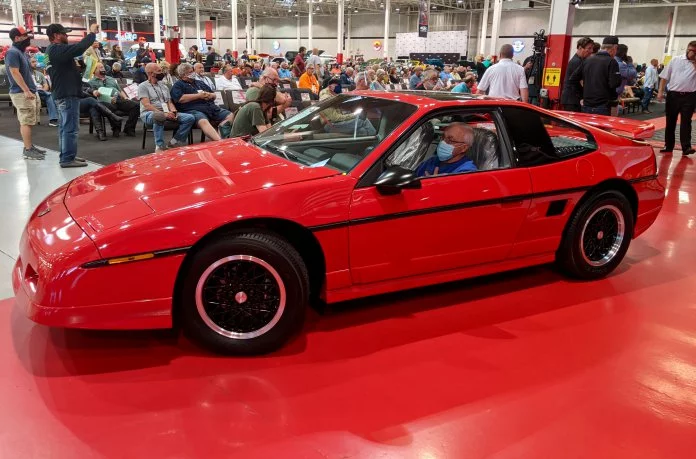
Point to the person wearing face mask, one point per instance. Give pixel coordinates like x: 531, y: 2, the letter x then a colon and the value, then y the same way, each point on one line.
x: 337, y: 121
x: 156, y: 107
x: 119, y: 100
x: 23, y: 90
x: 67, y: 88
x: 194, y: 97
x: 451, y: 153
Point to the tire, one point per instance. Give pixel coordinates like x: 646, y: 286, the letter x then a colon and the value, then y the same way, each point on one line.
x: 597, y: 236
x: 255, y: 318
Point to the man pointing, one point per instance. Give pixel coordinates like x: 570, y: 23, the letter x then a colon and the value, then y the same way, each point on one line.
x: 67, y: 87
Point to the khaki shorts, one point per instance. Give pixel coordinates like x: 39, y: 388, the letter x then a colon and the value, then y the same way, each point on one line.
x: 27, y: 110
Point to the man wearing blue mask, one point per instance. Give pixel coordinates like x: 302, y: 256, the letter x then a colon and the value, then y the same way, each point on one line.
x: 451, y: 153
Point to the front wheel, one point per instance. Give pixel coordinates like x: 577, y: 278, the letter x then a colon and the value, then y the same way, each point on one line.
x: 597, y: 236
x: 244, y: 294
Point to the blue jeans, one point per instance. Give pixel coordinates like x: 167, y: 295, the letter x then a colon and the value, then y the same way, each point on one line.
x: 596, y: 110
x: 219, y: 115
x: 645, y: 103
x: 47, y: 98
x: 185, y: 120
x: 68, y: 127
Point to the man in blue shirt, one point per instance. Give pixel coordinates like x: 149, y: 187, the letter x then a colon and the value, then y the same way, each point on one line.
x: 196, y: 98
x: 465, y: 86
x: 416, y: 78
x: 451, y: 153
x: 347, y: 77
x: 284, y: 71
x: 23, y: 90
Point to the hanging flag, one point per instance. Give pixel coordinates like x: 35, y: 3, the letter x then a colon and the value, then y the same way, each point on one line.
x: 423, y: 17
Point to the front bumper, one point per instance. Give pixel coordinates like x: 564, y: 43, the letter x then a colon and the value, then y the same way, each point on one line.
x: 53, y: 288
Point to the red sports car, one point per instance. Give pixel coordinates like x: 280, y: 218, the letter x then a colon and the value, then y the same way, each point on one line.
x: 361, y: 194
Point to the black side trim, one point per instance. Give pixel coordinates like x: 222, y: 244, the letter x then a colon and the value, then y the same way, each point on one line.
x: 447, y: 208
x: 156, y: 254
x: 647, y: 178
x: 466, y: 205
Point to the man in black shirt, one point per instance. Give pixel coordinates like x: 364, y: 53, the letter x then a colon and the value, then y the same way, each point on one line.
x: 67, y: 88
x: 572, y: 93
x: 600, y: 76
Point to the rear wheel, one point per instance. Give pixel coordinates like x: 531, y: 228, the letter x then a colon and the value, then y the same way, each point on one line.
x: 245, y: 294
x: 597, y: 236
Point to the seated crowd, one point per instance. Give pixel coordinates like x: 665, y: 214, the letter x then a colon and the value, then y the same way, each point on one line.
x: 188, y: 95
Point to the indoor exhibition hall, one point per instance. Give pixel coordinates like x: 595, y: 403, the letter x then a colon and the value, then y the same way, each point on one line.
x: 329, y: 229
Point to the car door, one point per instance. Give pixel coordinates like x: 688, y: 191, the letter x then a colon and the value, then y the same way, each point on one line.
x: 449, y: 222
x: 561, y: 166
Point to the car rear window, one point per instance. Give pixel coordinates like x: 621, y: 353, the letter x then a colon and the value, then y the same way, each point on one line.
x: 539, y: 139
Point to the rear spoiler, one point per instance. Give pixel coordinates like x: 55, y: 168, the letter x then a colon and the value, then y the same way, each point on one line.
x: 633, y: 129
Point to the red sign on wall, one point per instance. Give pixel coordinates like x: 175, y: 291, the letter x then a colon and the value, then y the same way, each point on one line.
x: 208, y: 30
x: 29, y: 22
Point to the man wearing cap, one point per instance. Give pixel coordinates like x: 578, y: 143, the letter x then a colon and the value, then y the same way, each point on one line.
x: 680, y: 77
x: 600, y: 76
x: 67, y: 88
x: 23, y: 90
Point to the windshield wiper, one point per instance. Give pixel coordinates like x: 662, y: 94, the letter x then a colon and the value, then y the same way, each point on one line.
x: 277, y: 150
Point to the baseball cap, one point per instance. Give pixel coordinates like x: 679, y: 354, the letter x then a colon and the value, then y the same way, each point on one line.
x: 610, y: 40
x: 18, y: 32
x: 56, y: 28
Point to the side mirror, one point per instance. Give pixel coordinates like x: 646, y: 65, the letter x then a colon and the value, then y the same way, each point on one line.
x: 395, y: 178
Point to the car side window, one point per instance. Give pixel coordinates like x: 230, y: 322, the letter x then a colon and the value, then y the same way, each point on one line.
x: 419, y: 151
x: 540, y: 139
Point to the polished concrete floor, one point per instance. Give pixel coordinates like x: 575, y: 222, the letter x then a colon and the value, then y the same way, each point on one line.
x: 521, y: 365
x: 23, y: 185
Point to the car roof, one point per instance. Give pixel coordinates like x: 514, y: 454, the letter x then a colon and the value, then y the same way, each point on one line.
x: 423, y: 98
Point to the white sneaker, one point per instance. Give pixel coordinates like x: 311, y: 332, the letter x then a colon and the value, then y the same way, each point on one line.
x: 173, y: 143
x: 158, y: 148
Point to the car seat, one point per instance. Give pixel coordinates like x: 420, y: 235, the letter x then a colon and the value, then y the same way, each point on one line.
x: 484, y: 151
x: 414, y: 150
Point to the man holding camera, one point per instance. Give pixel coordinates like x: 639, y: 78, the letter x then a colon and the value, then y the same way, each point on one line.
x: 67, y: 87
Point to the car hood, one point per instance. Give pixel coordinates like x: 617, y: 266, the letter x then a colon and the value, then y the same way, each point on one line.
x: 176, y: 179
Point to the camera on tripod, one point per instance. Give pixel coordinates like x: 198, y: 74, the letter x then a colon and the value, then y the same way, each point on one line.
x: 540, y: 40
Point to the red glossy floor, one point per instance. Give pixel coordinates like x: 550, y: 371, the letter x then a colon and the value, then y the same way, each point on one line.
x: 526, y: 364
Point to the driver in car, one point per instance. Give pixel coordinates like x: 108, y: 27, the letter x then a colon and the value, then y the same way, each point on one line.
x: 451, y: 153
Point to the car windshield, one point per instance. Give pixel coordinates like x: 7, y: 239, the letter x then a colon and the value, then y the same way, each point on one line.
x: 338, y: 132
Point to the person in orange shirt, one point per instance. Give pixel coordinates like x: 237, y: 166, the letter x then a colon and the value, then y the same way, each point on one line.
x: 308, y: 80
